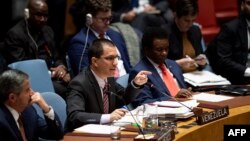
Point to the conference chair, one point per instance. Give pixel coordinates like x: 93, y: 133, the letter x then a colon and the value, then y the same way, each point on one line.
x: 206, y: 18
x: 38, y: 72
x: 58, y: 104
x: 123, y: 80
x: 226, y: 10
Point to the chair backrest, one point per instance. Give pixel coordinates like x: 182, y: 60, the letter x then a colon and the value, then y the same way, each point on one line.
x: 206, y: 16
x: 38, y: 72
x: 123, y: 80
x: 58, y: 104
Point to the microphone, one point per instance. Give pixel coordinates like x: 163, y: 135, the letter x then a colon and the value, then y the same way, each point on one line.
x: 196, y: 111
x: 131, y: 114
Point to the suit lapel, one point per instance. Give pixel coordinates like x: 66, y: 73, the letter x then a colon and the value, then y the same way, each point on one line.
x: 11, y: 122
x: 154, y: 77
x: 243, y: 31
x: 96, y: 88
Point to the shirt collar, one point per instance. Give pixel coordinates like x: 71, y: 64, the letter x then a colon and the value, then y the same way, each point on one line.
x: 14, y: 113
x: 99, y: 80
x: 97, y: 34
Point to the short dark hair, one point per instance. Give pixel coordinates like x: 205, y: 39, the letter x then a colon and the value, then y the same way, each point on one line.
x: 94, y: 6
x: 152, y: 33
x: 11, y: 82
x: 186, y: 7
x: 96, y: 49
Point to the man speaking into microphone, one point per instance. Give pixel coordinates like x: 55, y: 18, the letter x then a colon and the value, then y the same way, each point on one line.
x: 167, y: 78
x: 89, y: 99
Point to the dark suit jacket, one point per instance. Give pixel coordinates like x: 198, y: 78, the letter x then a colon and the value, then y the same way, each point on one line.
x: 34, y: 126
x: 149, y: 94
x: 228, y: 52
x: 85, y: 104
x: 77, y: 44
x: 176, y: 44
x: 19, y: 45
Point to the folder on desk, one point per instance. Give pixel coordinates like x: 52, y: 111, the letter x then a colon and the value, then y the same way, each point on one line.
x: 204, y: 78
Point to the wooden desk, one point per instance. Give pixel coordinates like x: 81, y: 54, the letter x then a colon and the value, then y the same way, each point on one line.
x: 212, y: 131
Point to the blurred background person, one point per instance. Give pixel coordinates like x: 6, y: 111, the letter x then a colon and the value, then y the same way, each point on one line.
x: 98, y: 17
x: 228, y: 53
x: 185, y: 40
x: 31, y: 38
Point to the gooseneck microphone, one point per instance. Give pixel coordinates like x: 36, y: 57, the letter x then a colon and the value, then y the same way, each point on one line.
x: 152, y: 86
x: 129, y: 110
x: 89, y: 21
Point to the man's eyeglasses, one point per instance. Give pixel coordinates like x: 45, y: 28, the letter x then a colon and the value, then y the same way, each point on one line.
x: 105, y: 19
x: 112, y: 58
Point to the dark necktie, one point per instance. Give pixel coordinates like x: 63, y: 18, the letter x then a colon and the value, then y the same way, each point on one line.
x: 169, y: 80
x: 21, y: 128
x: 101, y: 36
x: 105, y: 99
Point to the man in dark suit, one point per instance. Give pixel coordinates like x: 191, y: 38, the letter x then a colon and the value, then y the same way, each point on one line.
x: 228, y: 53
x: 155, y: 45
x: 91, y: 88
x: 19, y: 120
x: 31, y: 38
x: 97, y: 26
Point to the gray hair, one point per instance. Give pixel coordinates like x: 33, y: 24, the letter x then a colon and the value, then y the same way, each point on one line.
x: 11, y: 82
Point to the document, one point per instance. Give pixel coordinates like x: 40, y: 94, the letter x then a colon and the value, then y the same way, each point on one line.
x: 211, y: 97
x: 175, y: 104
x: 204, y: 78
x: 95, y: 129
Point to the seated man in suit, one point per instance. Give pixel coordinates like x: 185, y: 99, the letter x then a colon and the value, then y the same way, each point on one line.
x: 229, y: 52
x: 18, y: 118
x: 94, y: 96
x: 31, y: 38
x: 166, y: 74
x: 98, y: 16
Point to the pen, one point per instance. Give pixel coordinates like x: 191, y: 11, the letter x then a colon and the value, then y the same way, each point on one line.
x: 196, y: 65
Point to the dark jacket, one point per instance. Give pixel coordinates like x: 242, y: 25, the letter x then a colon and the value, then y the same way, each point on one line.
x: 85, y: 104
x: 228, y: 52
x: 34, y: 126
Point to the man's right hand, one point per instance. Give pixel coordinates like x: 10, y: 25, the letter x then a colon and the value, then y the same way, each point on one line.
x: 117, y: 114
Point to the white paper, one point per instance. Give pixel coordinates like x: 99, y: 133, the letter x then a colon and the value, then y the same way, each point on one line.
x: 211, y: 97
x: 204, y: 78
x: 95, y: 129
x: 174, y: 104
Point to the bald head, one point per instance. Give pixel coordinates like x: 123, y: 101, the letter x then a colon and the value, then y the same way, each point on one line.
x: 34, y: 4
x: 38, y: 13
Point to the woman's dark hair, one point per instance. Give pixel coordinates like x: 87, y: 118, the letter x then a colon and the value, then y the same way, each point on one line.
x: 186, y: 7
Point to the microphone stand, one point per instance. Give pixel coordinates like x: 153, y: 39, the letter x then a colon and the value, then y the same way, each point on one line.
x: 129, y: 110
x: 196, y: 111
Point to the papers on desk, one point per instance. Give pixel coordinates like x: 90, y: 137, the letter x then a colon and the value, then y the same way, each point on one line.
x: 211, y: 97
x: 164, y: 108
x: 204, y: 78
x: 174, y: 104
x: 95, y: 129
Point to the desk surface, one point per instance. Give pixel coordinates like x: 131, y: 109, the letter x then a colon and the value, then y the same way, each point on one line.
x: 212, y: 131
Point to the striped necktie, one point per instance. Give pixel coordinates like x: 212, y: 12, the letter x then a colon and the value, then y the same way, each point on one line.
x: 105, y: 99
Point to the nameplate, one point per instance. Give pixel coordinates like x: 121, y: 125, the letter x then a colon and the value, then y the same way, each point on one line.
x: 213, y: 115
